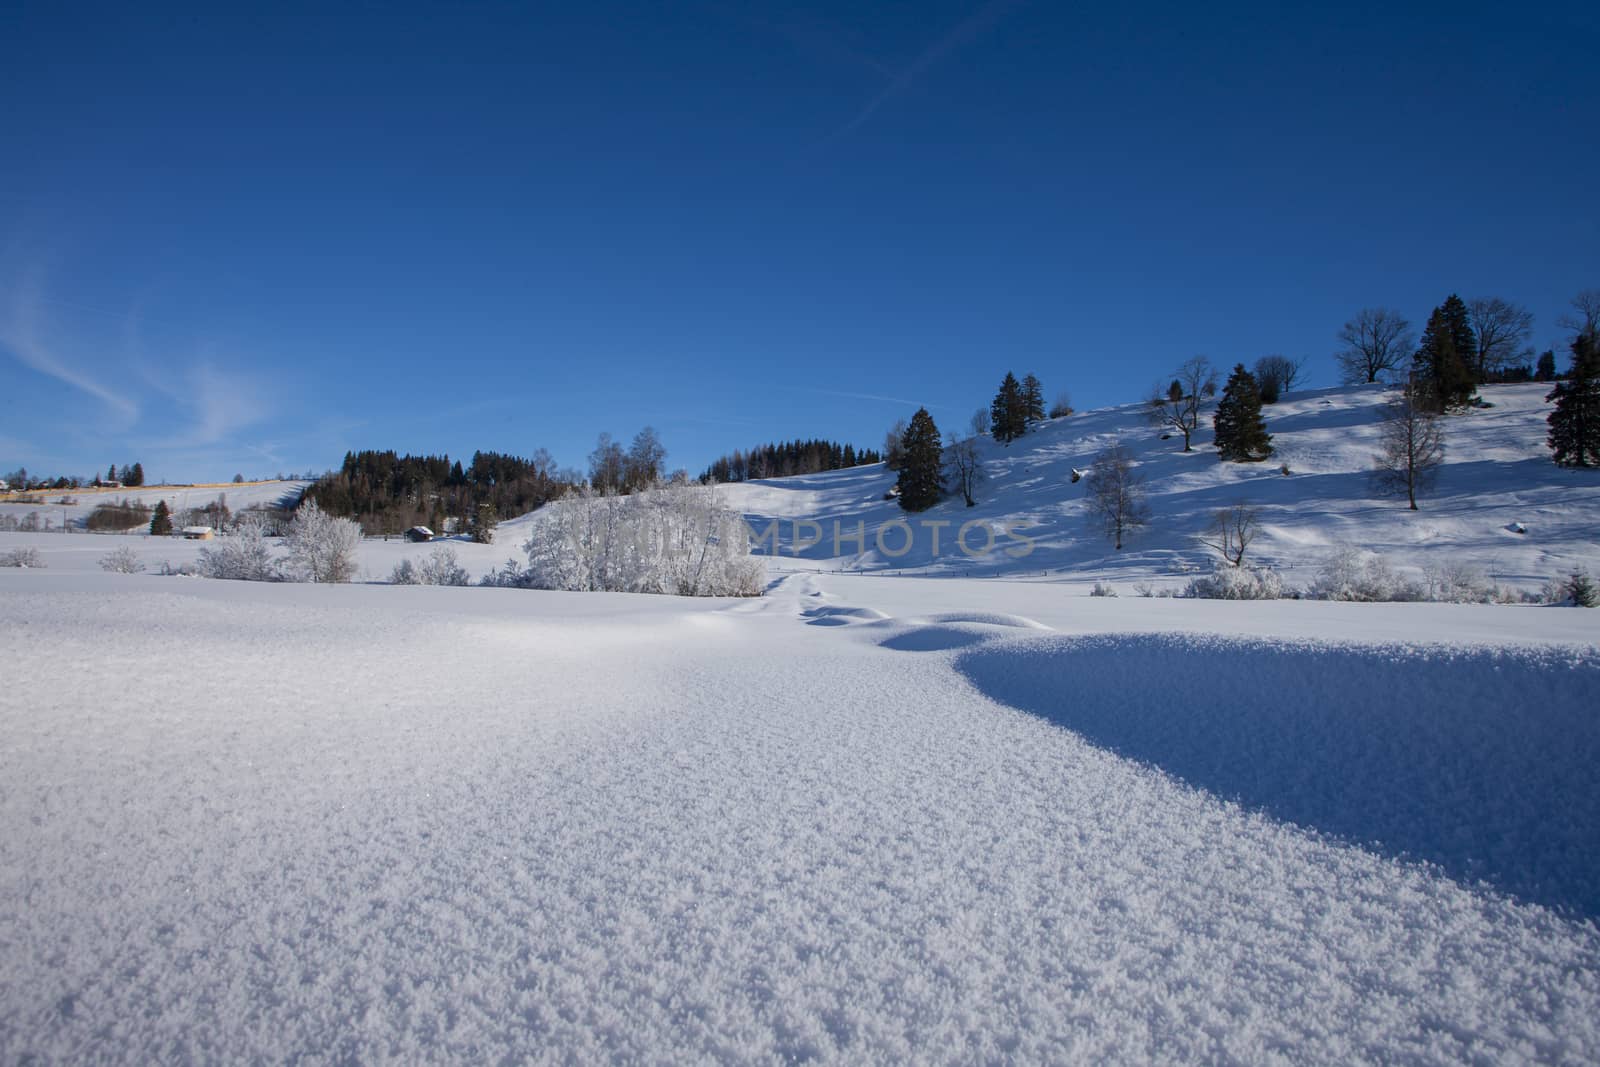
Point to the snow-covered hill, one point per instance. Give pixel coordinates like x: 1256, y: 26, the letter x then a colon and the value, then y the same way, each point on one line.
x: 1498, y: 475
x: 80, y: 502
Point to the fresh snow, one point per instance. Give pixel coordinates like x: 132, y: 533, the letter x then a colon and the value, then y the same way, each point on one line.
x: 855, y: 820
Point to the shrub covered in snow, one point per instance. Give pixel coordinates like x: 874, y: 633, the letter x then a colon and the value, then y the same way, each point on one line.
x: 674, y: 539
x: 241, y: 554
x: 123, y: 560
x: 322, y: 547
x: 1351, y: 574
x: 1459, y: 583
x: 440, y: 568
x: 1580, y: 591
x: 22, y: 557
x: 1227, y: 582
x: 509, y: 576
x: 1102, y: 589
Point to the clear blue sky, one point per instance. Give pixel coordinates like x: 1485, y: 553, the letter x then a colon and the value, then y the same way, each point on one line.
x: 251, y: 242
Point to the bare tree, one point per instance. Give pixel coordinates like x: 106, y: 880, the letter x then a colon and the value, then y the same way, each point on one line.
x: 1585, y: 314
x: 1377, y: 342
x: 607, y: 464
x: 964, y: 469
x: 894, y: 447
x: 980, y: 422
x: 645, y: 461
x: 1116, y: 495
x: 1502, y: 330
x: 1062, y: 406
x: 1413, y: 446
x: 1277, y: 375
x: 1178, y: 406
x: 1231, y: 531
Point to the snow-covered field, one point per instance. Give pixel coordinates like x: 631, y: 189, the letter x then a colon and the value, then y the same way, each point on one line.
x: 856, y: 820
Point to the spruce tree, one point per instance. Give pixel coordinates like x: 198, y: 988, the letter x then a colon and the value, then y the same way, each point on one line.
x: 1546, y: 371
x: 1032, y: 399
x: 1008, y: 415
x: 161, y: 520
x: 1443, y: 360
x: 922, y: 460
x: 1241, y: 435
x: 1575, y: 422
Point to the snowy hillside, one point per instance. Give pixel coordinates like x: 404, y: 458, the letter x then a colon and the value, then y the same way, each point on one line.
x: 80, y: 502
x: 1498, y: 473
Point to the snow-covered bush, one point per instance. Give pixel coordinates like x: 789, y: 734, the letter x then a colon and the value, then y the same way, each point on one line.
x: 1227, y: 582
x: 1580, y: 591
x: 123, y: 560
x: 1458, y: 583
x: 22, y: 557
x: 242, y: 554
x: 667, y: 539
x: 1351, y: 574
x: 182, y: 570
x: 440, y: 568
x: 510, y: 576
x: 1102, y: 589
x: 322, y: 547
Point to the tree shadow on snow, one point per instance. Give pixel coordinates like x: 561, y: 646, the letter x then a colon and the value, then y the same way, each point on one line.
x: 1484, y: 762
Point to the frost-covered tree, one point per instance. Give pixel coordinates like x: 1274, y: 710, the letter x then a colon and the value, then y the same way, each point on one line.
x: 677, y: 539
x: 122, y: 560
x: 963, y: 467
x: 1412, y: 446
x: 608, y: 465
x: 1178, y: 406
x: 921, y: 480
x: 1575, y: 422
x: 894, y: 445
x: 1376, y: 344
x: 241, y: 554
x: 322, y: 547
x: 1116, y: 495
x: 161, y: 520
x: 1062, y: 406
x: 981, y: 422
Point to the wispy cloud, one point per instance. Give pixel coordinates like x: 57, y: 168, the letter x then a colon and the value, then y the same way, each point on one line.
x: 956, y: 37
x: 22, y: 336
x: 875, y: 397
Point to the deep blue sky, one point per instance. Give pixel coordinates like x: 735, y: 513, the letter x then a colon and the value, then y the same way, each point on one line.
x: 249, y: 243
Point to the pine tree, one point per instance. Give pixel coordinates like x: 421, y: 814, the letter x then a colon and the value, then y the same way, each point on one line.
x: 111, y: 473
x: 134, y: 475
x: 484, y: 521
x: 1241, y: 435
x: 921, y: 463
x: 1008, y: 415
x: 161, y: 520
x: 1546, y: 371
x: 1443, y: 360
x: 1575, y: 422
x: 1032, y: 399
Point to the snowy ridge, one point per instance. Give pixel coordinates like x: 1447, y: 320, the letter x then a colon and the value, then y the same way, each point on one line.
x: 1497, y: 473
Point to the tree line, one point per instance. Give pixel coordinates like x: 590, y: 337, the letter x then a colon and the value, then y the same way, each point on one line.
x: 787, y: 458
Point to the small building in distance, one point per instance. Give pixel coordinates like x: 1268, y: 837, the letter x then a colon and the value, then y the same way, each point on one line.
x: 419, y: 534
x: 198, y: 533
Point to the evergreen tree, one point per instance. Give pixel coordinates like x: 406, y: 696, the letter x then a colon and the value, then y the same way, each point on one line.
x: 1032, y: 399
x: 161, y: 521
x: 922, y: 460
x: 1008, y: 415
x: 133, y: 476
x: 1575, y: 422
x: 1443, y: 360
x: 1241, y: 435
x: 484, y: 520
x: 1546, y: 371
x: 111, y: 473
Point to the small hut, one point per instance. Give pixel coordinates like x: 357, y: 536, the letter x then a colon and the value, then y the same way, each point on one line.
x: 198, y: 533
x: 419, y: 534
